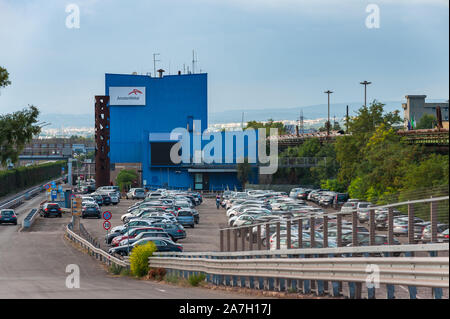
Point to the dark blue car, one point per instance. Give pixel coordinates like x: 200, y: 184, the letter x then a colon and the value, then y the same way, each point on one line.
x: 175, y: 231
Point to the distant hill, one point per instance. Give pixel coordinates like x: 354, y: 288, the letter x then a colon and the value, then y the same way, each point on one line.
x: 309, y: 112
x: 68, y: 120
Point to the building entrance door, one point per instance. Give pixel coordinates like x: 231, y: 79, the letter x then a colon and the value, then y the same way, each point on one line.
x: 201, y: 181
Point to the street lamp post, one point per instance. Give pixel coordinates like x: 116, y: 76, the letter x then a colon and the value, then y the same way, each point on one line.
x: 328, y: 123
x: 365, y: 83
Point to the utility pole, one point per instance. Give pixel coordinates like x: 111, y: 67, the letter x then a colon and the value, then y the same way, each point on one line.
x: 328, y: 123
x: 154, y: 63
x: 346, y: 121
x: 365, y: 83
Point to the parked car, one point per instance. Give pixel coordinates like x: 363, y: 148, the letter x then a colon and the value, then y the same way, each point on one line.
x: 50, y: 209
x: 161, y: 245
x: 131, y: 234
x: 441, y: 228
x: 106, y: 199
x: 186, y: 218
x: 135, y: 193
x: 8, y: 216
x: 175, y: 231
x: 155, y: 234
x: 90, y: 210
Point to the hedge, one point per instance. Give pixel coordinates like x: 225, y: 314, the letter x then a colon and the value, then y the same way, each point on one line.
x: 20, y: 178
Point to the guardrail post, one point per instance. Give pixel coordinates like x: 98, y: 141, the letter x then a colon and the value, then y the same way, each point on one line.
x: 412, y: 289
x: 355, y: 229
x: 258, y: 236
x: 339, y: 230
x: 300, y: 233
x: 221, y: 240
x: 312, y: 225
x: 372, y: 227
x: 243, y: 231
x: 278, y: 235
x: 235, y: 239
x: 288, y: 234
x: 436, y: 293
x: 390, y: 226
x: 250, y: 238
x: 228, y: 239
x: 267, y: 236
x: 434, y: 221
x: 325, y: 231
x: 411, y: 239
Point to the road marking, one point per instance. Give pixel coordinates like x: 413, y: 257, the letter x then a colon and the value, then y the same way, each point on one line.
x: 162, y: 290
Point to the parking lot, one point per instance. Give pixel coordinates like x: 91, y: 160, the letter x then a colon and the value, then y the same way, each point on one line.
x: 204, y: 237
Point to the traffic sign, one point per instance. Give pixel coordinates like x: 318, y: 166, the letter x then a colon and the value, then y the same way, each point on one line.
x: 107, y: 215
x: 106, y: 224
x: 54, y: 194
x: 47, y: 186
x: 53, y: 184
x: 76, y: 209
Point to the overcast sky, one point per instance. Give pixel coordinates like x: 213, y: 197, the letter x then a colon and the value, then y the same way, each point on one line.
x: 258, y: 53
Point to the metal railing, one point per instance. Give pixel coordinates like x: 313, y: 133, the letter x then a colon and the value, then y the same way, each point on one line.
x: 246, y: 231
x: 31, y: 217
x: 94, y: 251
x: 25, y: 195
x: 312, y: 270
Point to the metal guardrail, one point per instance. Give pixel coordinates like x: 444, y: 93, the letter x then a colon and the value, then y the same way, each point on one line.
x: 310, y: 218
x: 94, y: 251
x: 302, y: 270
x: 410, y: 271
x: 20, y: 198
x: 31, y: 217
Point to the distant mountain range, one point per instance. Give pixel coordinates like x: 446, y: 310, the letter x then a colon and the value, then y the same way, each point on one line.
x: 234, y: 116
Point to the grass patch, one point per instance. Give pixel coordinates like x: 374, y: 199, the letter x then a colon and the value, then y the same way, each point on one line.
x: 115, y: 269
x: 196, y: 279
x: 174, y: 279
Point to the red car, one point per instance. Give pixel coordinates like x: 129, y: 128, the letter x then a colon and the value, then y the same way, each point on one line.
x: 133, y: 233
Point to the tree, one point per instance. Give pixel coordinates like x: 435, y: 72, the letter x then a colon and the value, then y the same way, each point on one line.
x: 126, y: 178
x: 244, y: 171
x: 16, y: 130
x: 4, y: 78
x: 350, y: 149
x: 270, y: 124
x: 427, y: 121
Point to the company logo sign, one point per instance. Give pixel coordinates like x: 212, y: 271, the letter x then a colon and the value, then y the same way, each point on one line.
x: 121, y: 95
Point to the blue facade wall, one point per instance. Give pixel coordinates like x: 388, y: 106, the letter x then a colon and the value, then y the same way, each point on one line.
x: 171, y: 102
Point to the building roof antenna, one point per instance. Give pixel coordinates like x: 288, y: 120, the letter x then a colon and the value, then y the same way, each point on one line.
x: 154, y: 63
x: 194, y: 60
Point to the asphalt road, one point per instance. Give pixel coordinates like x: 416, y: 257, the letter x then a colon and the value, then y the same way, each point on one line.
x: 33, y: 265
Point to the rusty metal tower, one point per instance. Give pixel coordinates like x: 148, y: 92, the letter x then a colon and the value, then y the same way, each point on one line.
x: 102, y: 128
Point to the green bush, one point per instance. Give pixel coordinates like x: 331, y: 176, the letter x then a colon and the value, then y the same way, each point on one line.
x: 195, y: 279
x: 17, y: 179
x: 139, y: 258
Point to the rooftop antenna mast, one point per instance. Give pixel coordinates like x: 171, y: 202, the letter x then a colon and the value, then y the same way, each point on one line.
x: 154, y: 63
x: 302, y: 126
x: 194, y: 60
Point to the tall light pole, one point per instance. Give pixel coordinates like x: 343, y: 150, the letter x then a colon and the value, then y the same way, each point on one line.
x: 365, y: 83
x: 328, y: 123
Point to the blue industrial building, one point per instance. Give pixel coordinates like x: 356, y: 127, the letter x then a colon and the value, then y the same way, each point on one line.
x: 145, y: 110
